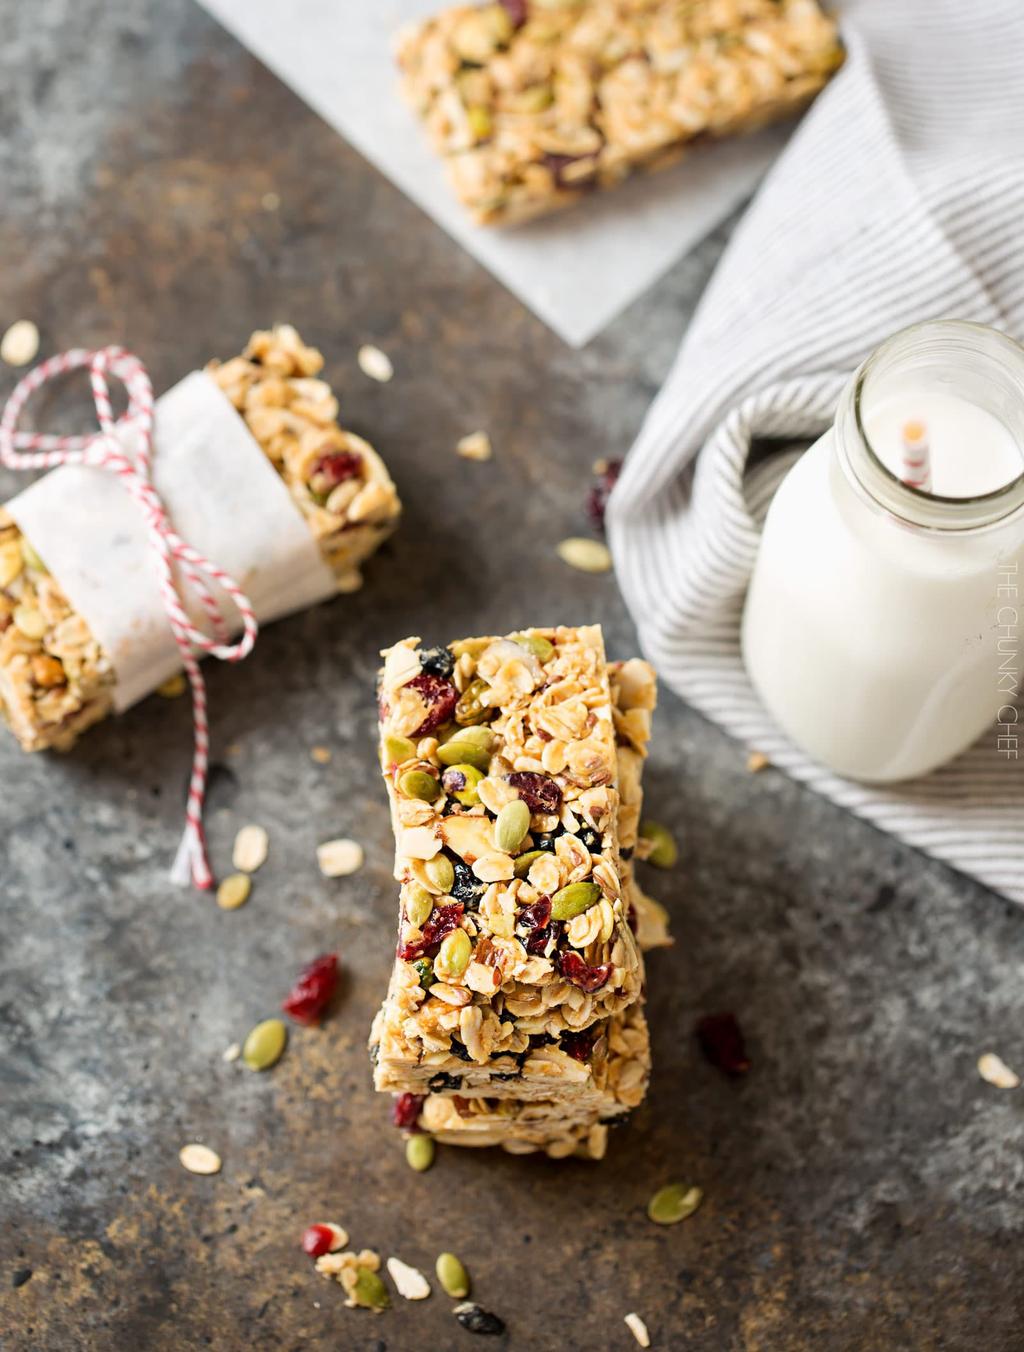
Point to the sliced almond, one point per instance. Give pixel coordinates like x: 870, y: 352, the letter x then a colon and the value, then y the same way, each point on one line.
x: 409, y: 1281
x: 250, y: 850
x: 589, y: 556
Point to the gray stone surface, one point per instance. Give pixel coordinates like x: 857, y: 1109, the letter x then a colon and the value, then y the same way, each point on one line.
x: 863, y: 1185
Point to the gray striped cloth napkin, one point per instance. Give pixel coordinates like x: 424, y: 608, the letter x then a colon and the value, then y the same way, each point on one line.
x: 899, y: 198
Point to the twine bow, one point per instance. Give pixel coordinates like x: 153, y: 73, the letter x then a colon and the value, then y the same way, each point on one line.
x: 103, y: 450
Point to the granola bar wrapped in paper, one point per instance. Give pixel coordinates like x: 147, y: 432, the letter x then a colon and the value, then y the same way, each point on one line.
x: 533, y: 103
x: 550, y: 1042
x: 254, y: 471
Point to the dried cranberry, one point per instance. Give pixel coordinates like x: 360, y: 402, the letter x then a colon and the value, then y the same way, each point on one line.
x: 311, y: 994
x: 558, y: 165
x: 405, y: 1111
x: 721, y: 1041
x: 537, y: 940
x: 437, y: 662
x: 334, y: 468
x: 443, y: 919
x: 578, y: 1045
x: 539, y: 792
x: 597, y: 498
x: 439, y: 696
x: 574, y: 969
x: 535, y: 916
x: 517, y: 10
x: 317, y: 1240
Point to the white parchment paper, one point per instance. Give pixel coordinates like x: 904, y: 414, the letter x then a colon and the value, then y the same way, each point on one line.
x: 223, y: 497
x: 576, y: 269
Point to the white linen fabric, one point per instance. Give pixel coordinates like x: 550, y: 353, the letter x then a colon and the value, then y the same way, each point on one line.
x: 900, y: 198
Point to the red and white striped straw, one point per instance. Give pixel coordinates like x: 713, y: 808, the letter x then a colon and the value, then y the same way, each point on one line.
x: 917, y: 460
x: 103, y: 449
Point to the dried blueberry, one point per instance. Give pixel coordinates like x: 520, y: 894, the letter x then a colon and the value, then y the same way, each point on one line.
x: 466, y: 888
x: 475, y: 1320
x: 442, y: 1080
x: 437, y: 662
x: 546, y: 840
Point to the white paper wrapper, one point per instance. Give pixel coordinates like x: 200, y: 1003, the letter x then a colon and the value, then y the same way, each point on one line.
x: 223, y: 497
x: 337, y: 56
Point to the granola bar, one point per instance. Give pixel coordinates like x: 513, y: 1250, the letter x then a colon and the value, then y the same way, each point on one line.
x: 532, y: 103
x: 55, y: 678
x: 505, y: 943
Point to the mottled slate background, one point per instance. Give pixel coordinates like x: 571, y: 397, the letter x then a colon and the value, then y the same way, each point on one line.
x: 863, y: 1185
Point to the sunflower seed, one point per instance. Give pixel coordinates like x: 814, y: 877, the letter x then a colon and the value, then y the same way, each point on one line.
x: 199, y: 1159
x: 20, y: 343
x: 994, y: 1069
x: 410, y: 1282
x: 250, y: 849
x: 375, y: 363
x: 338, y: 858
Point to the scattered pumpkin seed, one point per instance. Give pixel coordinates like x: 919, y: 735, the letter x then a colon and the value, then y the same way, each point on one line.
x: 453, y: 956
x: 477, y: 735
x: 573, y: 900
x: 418, y: 903
x: 589, y: 556
x: 338, y: 858
x: 264, y: 1045
x: 757, y: 761
x: 477, y: 446
x: 472, y: 706
x: 511, y: 826
x: 321, y: 754
x: 461, y: 751
x: 173, y: 687
x: 995, y: 1070
x: 419, y: 1151
x: 441, y: 872
x: 29, y: 621
x: 397, y: 750
x: 522, y: 865
x: 542, y: 648
x: 673, y: 1204
x: 409, y: 1281
x: 20, y: 343
x: 664, y: 852
x: 418, y: 784
x: 250, y: 850
x: 234, y: 891
x: 452, y: 1276
x: 369, y: 1291
x: 375, y: 363
x: 199, y: 1159
x: 638, y: 1329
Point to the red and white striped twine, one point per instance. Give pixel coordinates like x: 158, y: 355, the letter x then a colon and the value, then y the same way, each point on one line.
x: 103, y: 449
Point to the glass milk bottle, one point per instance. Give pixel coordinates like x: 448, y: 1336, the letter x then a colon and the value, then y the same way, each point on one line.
x: 881, y: 615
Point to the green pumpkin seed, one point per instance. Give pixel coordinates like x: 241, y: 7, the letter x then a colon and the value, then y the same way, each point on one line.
x: 441, y: 872
x: 397, y: 750
x: 477, y: 735
x: 32, y: 559
x: 511, y: 826
x: 462, y: 751
x: 426, y: 971
x: 419, y: 1152
x: 480, y: 122
x: 234, y: 891
x: 264, y: 1045
x: 369, y: 1291
x: 664, y: 850
x: 673, y: 1204
x: 453, y: 956
x: 418, y: 904
x: 418, y: 784
x: 543, y: 649
x: 461, y: 781
x: 522, y: 864
x: 573, y: 900
x: 452, y: 1276
x: 472, y: 706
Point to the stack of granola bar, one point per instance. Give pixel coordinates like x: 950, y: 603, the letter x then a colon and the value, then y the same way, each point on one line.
x: 514, y: 1015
